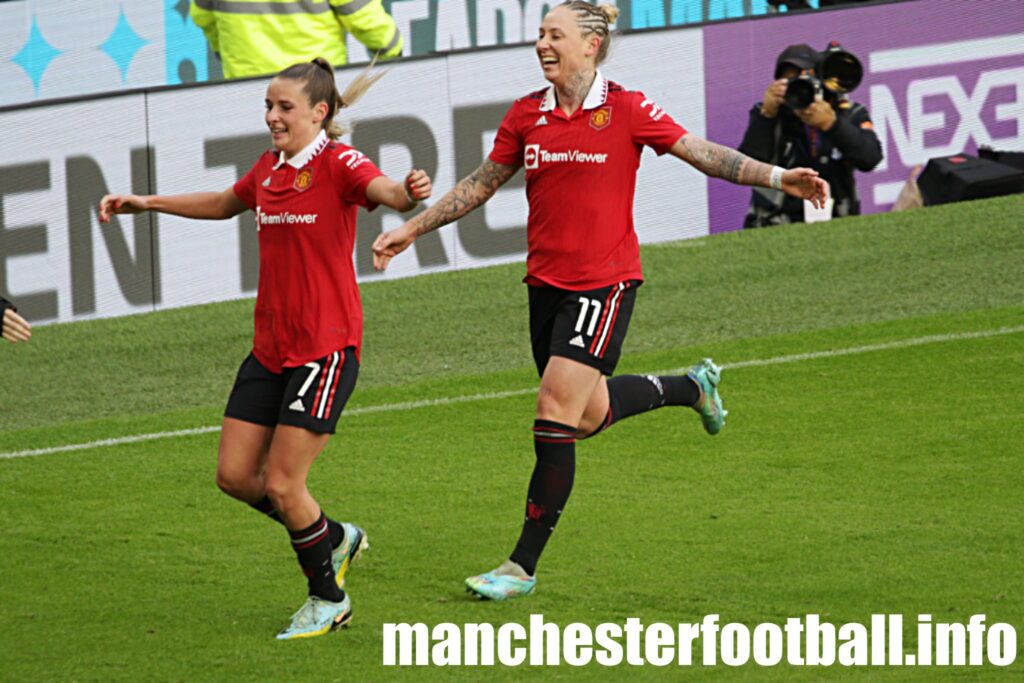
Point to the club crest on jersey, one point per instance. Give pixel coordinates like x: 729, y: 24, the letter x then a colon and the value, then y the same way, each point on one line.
x: 303, y: 179
x: 601, y: 118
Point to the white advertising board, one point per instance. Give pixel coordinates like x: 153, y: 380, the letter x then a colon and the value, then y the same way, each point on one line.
x: 441, y: 114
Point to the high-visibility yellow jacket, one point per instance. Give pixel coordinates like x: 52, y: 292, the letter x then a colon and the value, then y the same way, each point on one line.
x: 257, y: 37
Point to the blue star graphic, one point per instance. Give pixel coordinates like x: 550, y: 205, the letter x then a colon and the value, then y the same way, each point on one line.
x: 122, y: 45
x: 35, y: 55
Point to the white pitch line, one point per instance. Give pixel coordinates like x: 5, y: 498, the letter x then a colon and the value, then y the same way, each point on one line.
x: 447, y: 400
x: 387, y: 407
x: 450, y: 400
x: 898, y: 344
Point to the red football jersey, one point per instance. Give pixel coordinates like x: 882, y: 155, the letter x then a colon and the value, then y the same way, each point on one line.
x: 307, y: 304
x: 580, y: 178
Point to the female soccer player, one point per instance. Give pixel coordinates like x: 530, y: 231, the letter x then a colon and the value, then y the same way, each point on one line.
x: 291, y: 389
x: 580, y: 142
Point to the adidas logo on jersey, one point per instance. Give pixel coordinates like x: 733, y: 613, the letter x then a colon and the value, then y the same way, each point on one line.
x: 297, y: 405
x: 577, y: 341
x: 266, y: 183
x: 542, y: 121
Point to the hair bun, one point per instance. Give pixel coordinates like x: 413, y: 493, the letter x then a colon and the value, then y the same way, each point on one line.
x: 324, y: 64
x: 610, y: 12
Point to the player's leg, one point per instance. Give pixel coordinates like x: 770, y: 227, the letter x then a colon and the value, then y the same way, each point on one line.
x: 564, y: 391
x: 563, y: 396
x: 314, y: 397
x: 245, y: 435
x: 568, y: 378
x: 313, y: 401
x: 241, y: 457
x: 623, y: 396
x: 292, y: 452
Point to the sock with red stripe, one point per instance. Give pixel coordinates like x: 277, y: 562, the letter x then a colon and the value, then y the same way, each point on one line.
x: 312, y: 545
x: 550, y: 486
x: 266, y: 507
x: 630, y: 395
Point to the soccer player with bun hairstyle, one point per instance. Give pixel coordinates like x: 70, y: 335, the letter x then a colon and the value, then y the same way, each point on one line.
x: 290, y: 391
x: 579, y: 141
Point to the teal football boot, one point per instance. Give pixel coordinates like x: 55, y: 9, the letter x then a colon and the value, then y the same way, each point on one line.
x: 707, y: 375
x: 352, y: 546
x: 507, y: 581
x: 317, y: 617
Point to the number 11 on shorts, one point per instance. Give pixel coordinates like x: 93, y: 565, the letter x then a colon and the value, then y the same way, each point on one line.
x: 585, y: 304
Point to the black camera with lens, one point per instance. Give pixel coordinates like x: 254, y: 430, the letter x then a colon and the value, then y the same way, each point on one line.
x: 836, y: 72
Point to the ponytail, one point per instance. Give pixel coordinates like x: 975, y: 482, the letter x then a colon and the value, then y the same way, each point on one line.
x: 320, y: 86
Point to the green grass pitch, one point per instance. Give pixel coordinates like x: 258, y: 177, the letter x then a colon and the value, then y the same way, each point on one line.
x: 887, y: 480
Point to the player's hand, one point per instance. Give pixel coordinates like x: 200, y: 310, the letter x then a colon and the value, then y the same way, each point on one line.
x: 805, y: 184
x: 15, y: 328
x: 121, y: 203
x: 818, y: 114
x: 417, y: 185
x: 773, y: 98
x: 391, y: 244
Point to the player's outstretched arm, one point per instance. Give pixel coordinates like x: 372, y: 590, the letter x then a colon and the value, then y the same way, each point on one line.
x: 723, y: 162
x: 208, y: 205
x: 13, y: 327
x: 468, y: 193
x: 400, y: 196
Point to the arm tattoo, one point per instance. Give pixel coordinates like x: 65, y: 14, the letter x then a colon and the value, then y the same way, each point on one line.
x: 726, y: 163
x: 469, y: 193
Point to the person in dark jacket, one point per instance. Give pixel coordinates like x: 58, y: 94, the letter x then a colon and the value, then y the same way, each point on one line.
x: 833, y: 135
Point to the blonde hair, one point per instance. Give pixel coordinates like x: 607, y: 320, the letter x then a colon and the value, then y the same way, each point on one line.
x: 594, y: 19
x: 320, y: 86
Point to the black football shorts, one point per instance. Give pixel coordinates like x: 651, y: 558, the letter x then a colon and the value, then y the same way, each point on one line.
x: 310, y: 396
x: 588, y: 326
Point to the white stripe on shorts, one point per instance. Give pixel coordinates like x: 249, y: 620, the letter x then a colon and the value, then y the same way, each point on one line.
x: 327, y: 386
x: 609, y: 319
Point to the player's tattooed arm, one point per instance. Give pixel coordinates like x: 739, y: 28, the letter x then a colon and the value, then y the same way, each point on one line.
x: 469, y: 193
x: 723, y: 162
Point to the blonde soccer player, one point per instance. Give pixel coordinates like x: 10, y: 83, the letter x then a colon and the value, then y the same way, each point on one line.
x: 579, y: 141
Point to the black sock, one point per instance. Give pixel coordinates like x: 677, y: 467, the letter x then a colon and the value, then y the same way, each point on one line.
x: 550, y: 485
x: 630, y: 395
x: 680, y: 391
x: 337, y: 532
x: 313, y: 547
x: 266, y: 507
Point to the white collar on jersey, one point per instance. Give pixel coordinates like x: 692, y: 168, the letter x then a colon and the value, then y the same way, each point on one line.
x: 595, y: 97
x: 307, y: 153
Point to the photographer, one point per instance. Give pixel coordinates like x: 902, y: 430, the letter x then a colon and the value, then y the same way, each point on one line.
x: 13, y: 327
x: 818, y: 127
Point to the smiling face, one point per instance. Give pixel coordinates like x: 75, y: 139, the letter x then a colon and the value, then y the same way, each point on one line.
x: 564, y: 51
x: 293, y: 121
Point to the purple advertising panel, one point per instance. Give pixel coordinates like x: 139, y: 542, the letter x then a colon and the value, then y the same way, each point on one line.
x: 941, y: 77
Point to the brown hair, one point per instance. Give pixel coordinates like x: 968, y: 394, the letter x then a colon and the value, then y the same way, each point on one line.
x: 321, y: 87
x: 594, y: 19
